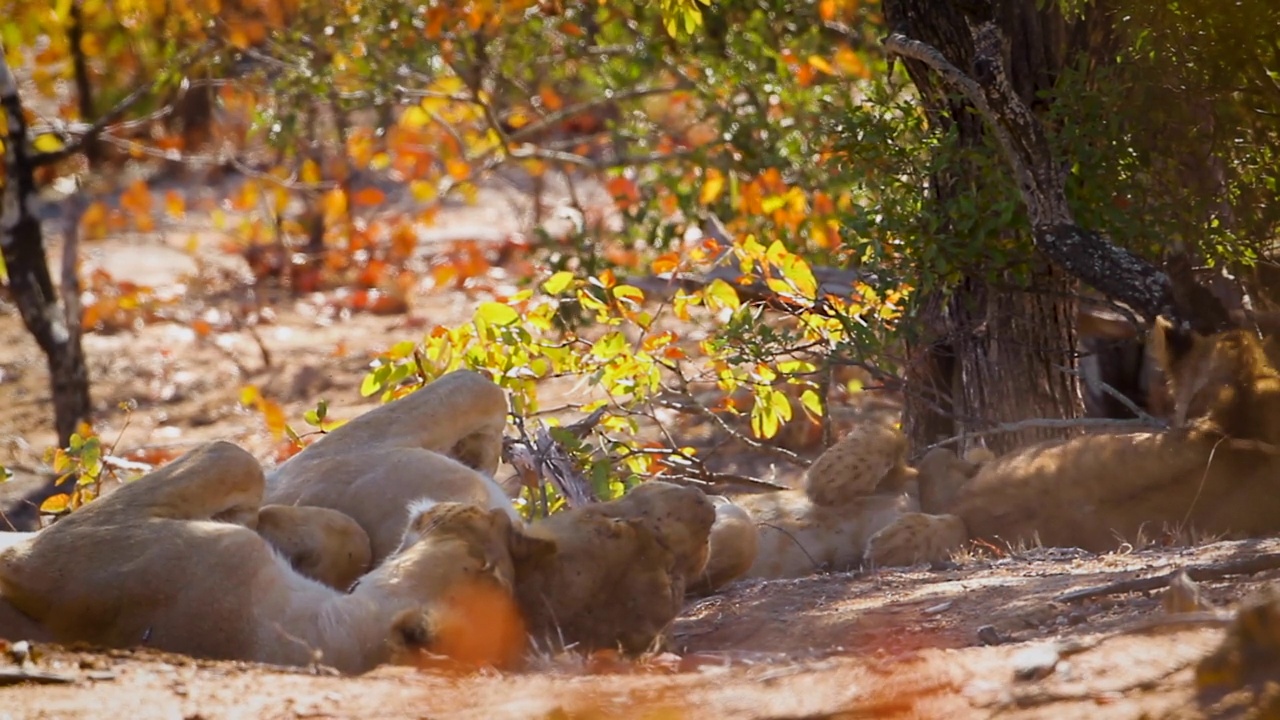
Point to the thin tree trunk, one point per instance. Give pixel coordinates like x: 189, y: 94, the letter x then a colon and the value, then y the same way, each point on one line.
x: 22, y: 243
x: 84, y: 87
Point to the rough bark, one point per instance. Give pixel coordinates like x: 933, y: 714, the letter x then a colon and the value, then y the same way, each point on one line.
x: 1084, y: 253
x: 999, y: 349
x: 22, y: 243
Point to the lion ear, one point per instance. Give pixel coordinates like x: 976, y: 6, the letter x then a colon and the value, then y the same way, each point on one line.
x: 527, y: 548
x: 411, y: 632
x: 1171, y: 343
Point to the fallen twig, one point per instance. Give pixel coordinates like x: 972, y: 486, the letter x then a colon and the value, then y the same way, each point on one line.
x: 1198, y: 573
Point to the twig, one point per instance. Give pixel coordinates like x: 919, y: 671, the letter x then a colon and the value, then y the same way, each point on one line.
x: 91, y: 133
x: 1133, y: 424
x: 1110, y: 391
x: 1198, y: 573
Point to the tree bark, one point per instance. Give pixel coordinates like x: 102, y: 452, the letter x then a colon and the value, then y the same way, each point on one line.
x: 1004, y: 347
x: 22, y: 244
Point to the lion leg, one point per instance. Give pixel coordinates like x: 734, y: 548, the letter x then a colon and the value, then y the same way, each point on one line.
x: 217, y: 481
x: 916, y: 537
x: 855, y: 467
x: 460, y: 415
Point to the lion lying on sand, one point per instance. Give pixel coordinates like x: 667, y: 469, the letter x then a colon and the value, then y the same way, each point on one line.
x: 1214, y: 472
x: 323, y: 544
x: 619, y: 574
x: 169, y: 561
x: 440, y: 443
x: 613, y: 574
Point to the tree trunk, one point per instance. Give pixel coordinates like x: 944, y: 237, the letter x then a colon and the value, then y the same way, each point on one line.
x: 22, y: 241
x: 1009, y: 345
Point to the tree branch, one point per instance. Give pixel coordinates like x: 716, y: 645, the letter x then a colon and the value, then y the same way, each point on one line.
x: 1083, y: 253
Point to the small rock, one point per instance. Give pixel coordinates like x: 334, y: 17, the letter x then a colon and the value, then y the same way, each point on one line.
x: 1035, y: 662
x: 988, y: 635
x: 940, y: 607
x: 1075, y: 617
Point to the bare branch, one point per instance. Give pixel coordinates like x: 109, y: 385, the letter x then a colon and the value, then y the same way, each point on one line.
x: 1132, y: 425
x: 90, y: 134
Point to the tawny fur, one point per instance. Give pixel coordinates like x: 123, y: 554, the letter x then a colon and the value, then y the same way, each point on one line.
x: 1213, y: 473
x: 798, y: 537
x: 619, y: 574
x: 147, y: 564
x: 871, y: 457
x: 441, y: 442
x: 322, y: 544
x: 827, y: 526
x: 731, y: 549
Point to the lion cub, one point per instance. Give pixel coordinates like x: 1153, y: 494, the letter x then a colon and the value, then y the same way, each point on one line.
x: 855, y: 489
x: 620, y: 570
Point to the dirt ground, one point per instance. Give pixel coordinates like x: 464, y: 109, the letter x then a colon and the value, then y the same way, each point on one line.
x: 982, y: 638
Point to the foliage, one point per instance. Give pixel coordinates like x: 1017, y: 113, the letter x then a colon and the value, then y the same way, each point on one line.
x: 349, y: 127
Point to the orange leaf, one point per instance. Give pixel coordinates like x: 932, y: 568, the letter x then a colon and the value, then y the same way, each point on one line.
x: 174, y: 204
x: 273, y: 414
x: 458, y: 169
x: 369, y: 196
x: 665, y: 263
x: 623, y: 190
x: 550, y: 98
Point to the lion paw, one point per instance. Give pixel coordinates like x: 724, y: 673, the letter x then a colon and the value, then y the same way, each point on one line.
x: 915, y: 538
x: 855, y: 466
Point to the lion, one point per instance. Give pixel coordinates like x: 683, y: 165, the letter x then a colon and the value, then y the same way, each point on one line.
x: 170, y: 561
x: 1212, y: 472
x: 322, y: 544
x: 441, y: 442
x: 620, y: 571
x: 859, y: 486
x: 870, y: 457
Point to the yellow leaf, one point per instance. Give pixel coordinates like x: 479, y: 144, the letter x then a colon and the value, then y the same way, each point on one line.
x: 414, y: 118
x: 820, y: 63
x: 249, y: 395
x: 422, y: 190
x: 495, y: 313
x: 558, y: 282
x: 47, y: 143
x: 310, y: 172
x: 55, y: 504
x: 711, y: 187
x: 720, y: 294
x: 629, y: 292
x: 811, y: 402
